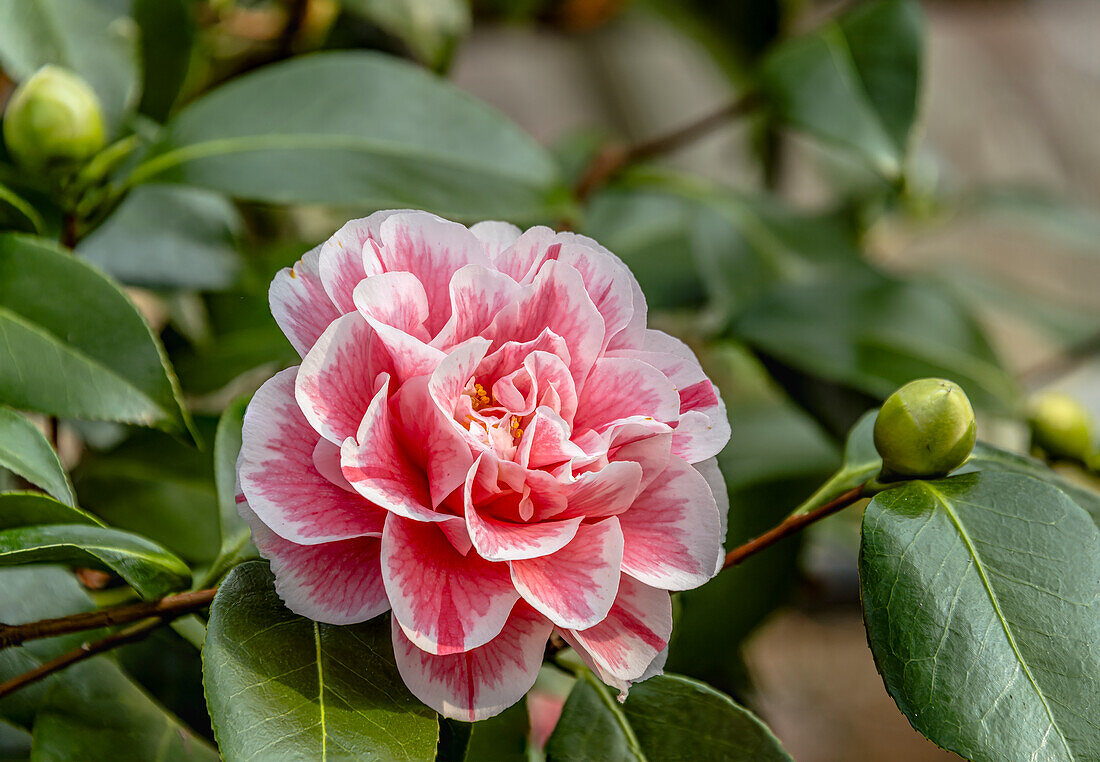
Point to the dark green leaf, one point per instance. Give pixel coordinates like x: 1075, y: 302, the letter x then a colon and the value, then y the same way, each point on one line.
x: 147, y: 567
x: 854, y: 81
x: 169, y: 237
x: 158, y: 487
x: 429, y: 28
x: 167, y: 34
x: 981, y: 595
x: 874, y: 333
x: 30, y: 594
x: 72, y: 344
x: 667, y: 717
x: 380, y: 133
x: 298, y: 689
x: 94, y: 38
x: 24, y: 450
x: 20, y: 509
x: 501, y: 738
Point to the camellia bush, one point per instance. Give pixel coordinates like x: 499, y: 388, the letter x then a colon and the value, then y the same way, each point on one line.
x: 507, y: 466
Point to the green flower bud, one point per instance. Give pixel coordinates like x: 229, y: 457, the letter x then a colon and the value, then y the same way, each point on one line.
x: 925, y: 429
x: 1061, y: 426
x: 53, y: 119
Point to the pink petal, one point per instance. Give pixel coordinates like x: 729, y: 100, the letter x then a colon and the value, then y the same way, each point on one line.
x: 338, y: 377
x: 620, y: 388
x: 606, y: 278
x: 576, y: 586
x: 333, y: 582
x: 278, y: 477
x: 347, y: 258
x: 433, y: 250
x: 647, y: 443
x: 495, y: 236
x: 477, y: 294
x: 395, y: 299
x: 498, y: 540
x: 672, y: 530
x: 522, y: 259
x: 299, y: 303
x: 546, y: 441
x: 445, y: 602
x: 431, y: 439
x: 606, y: 492
x: 635, y: 632
x: 557, y: 301
x: 326, y: 459
x: 479, y: 683
x: 717, y: 483
x: 380, y: 470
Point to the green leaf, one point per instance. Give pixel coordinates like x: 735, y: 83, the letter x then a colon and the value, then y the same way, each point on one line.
x: 118, y: 720
x: 873, y: 333
x: 169, y: 237
x: 20, y: 509
x: 665, y: 717
x: 98, y: 714
x: 502, y: 737
x: 147, y: 567
x: 298, y: 689
x: 94, y: 38
x: 981, y: 596
x: 430, y: 29
x: 72, y: 344
x: 24, y: 450
x: 18, y: 214
x: 167, y: 35
x: 380, y: 133
x: 156, y: 486
x: 854, y: 81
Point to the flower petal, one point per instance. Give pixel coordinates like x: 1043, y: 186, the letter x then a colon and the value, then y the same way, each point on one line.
x: 433, y: 250
x: 495, y: 236
x: 379, y: 469
x: 395, y: 299
x: 299, y: 303
x: 477, y: 294
x: 333, y: 582
x: 347, y: 258
x: 278, y: 477
x: 620, y: 388
x: 710, y: 471
x: 636, y: 630
x: 576, y: 586
x: 606, y: 492
x: 672, y: 530
x: 445, y: 602
x: 484, y: 681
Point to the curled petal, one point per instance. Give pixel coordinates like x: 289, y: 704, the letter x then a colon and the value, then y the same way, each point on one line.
x: 445, y: 602
x: 710, y: 471
x: 495, y: 236
x: 396, y: 299
x: 347, y: 257
x: 299, y: 303
x: 619, y: 388
x: 279, y: 480
x: 484, y: 681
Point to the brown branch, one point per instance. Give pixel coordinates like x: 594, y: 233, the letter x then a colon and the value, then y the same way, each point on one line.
x: 791, y: 525
x: 171, y: 606
x: 614, y: 158
x: 85, y: 651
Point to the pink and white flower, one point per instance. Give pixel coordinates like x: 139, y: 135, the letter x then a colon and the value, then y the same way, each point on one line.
x: 483, y: 437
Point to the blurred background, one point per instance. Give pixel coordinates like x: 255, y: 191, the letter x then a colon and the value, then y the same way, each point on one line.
x: 818, y: 251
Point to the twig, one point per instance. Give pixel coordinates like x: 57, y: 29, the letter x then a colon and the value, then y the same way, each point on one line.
x: 85, y: 651
x: 791, y: 525
x: 296, y: 17
x: 614, y: 158
x: 172, y: 605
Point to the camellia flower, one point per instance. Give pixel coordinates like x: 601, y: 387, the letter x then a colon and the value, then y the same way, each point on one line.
x: 483, y: 437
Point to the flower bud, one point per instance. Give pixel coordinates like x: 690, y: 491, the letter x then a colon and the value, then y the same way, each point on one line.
x: 53, y: 119
x: 1061, y: 426
x: 925, y: 429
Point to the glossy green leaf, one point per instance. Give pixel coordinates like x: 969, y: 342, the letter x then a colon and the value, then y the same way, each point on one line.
x: 16, y: 213
x: 20, y: 509
x: 72, y: 344
x: 121, y: 723
x: 874, y: 333
x: 666, y: 717
x: 380, y: 133
x: 25, y: 451
x: 298, y: 689
x: 156, y: 486
x: 167, y: 32
x: 981, y: 595
x: 94, y: 38
x: 169, y: 237
x: 430, y: 29
x: 147, y: 567
x: 854, y: 81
